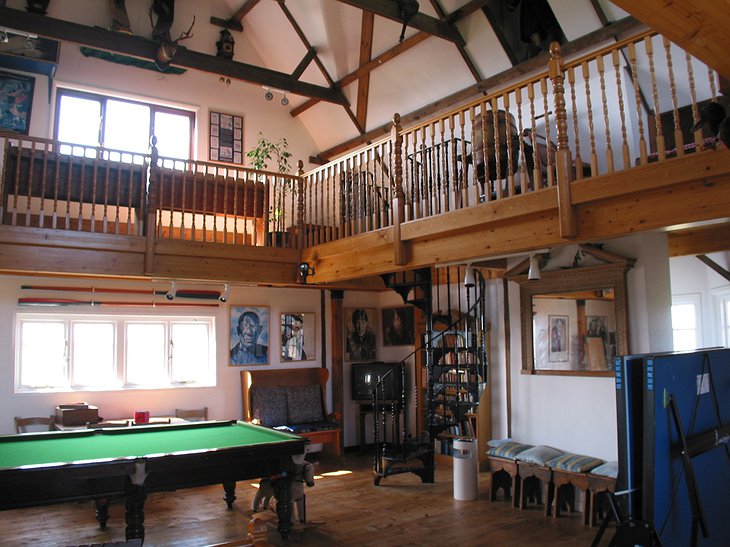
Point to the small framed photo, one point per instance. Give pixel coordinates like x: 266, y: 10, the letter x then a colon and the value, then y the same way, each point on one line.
x: 297, y: 337
x: 558, y: 333
x: 16, y: 101
x: 398, y: 328
x: 249, y: 335
x: 360, y: 331
x: 226, y: 135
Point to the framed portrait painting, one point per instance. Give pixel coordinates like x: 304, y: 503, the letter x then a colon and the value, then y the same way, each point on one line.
x: 249, y: 335
x: 16, y: 100
x: 297, y: 337
x: 398, y: 326
x: 226, y: 138
x: 360, y: 332
x: 558, y: 338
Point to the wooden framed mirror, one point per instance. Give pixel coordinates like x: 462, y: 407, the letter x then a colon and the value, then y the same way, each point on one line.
x: 574, y: 321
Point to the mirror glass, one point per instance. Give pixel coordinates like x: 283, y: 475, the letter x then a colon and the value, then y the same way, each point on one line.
x: 574, y: 331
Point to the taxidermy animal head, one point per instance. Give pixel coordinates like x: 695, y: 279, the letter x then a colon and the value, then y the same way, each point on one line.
x: 168, y: 47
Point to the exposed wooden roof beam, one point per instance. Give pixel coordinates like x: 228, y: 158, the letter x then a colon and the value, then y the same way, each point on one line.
x: 389, y: 9
x: 304, y: 63
x: 466, y: 9
x: 136, y: 46
x: 462, y: 49
x: 366, y: 52
x: 626, y: 25
x: 699, y: 240
x: 499, y: 33
x: 714, y: 266
x: 234, y: 22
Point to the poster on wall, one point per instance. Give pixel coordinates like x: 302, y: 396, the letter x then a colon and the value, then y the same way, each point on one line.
x: 360, y: 329
x: 398, y: 326
x: 558, y: 346
x: 226, y: 138
x: 249, y: 335
x: 16, y: 100
x: 297, y: 336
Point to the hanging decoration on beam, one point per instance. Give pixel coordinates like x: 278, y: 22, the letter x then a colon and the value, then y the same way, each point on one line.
x: 407, y: 9
x: 128, y: 61
x: 65, y: 302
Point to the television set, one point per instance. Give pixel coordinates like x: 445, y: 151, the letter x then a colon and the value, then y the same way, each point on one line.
x: 365, y: 377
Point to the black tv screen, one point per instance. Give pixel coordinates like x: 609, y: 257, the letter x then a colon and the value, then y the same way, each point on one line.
x: 365, y: 377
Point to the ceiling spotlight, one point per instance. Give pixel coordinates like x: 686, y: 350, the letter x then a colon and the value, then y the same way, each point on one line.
x: 284, y: 101
x: 3, y: 37
x: 269, y: 95
x: 170, y: 295
x: 29, y: 43
x: 224, y: 295
x: 533, y: 273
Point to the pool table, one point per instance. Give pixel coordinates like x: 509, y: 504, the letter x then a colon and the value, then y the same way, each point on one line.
x: 129, y: 462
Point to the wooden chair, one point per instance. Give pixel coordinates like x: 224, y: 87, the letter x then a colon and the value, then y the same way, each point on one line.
x: 22, y: 424
x: 192, y: 414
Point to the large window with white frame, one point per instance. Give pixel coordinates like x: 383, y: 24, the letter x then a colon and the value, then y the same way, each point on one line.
x: 722, y: 298
x: 686, y: 321
x: 92, y: 119
x: 56, y: 352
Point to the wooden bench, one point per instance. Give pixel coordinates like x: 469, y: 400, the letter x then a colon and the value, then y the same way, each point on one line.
x: 327, y: 431
x: 503, y: 474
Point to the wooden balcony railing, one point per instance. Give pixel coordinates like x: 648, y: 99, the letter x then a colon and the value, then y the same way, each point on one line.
x: 630, y: 103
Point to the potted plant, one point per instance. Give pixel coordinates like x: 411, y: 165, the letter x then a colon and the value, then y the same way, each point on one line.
x: 259, y: 157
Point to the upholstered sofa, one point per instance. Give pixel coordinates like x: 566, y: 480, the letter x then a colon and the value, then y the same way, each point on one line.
x: 292, y: 400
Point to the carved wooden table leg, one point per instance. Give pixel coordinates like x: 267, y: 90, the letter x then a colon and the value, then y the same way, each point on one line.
x: 102, y: 511
x: 230, y: 493
x: 134, y: 516
x: 282, y: 492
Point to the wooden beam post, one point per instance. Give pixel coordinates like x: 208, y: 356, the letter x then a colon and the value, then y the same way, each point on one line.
x: 399, y: 198
x: 563, y: 160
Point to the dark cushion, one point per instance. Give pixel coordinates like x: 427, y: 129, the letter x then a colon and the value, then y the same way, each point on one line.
x: 304, y: 404
x: 269, y: 405
x: 313, y: 426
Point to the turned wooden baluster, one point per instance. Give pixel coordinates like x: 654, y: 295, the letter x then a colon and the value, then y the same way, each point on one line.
x: 31, y: 165
x: 536, y: 173
x: 495, y: 130
x: 441, y: 168
x: 660, y: 143
x: 204, y: 227
x: 509, y: 146
x: 69, y: 182
x: 589, y: 116
x: 563, y: 159
x: 41, y: 217
x: 576, y: 130
x: 693, y: 95
x: 643, y: 155
x: 625, y: 154
x: 430, y: 166
x: 523, y: 161
x: 678, y: 137
x: 463, y: 190
x: 399, y: 210
x: 548, y: 136
x: 56, y: 184
x: 604, y: 101
x: 298, y: 183
x: 105, y: 207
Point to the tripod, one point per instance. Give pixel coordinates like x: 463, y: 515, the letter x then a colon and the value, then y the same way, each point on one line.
x: 629, y: 532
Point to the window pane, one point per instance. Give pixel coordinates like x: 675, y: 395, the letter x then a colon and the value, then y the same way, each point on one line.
x: 93, y: 354
x: 145, y: 356
x: 79, y: 120
x: 173, y: 135
x: 42, y: 354
x: 683, y: 316
x: 190, y: 352
x: 127, y: 126
x: 684, y: 340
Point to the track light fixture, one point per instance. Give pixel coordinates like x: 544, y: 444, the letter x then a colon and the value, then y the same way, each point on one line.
x: 268, y: 95
x: 304, y: 270
x: 533, y: 274
x: 284, y: 101
x: 170, y: 295
x: 224, y: 295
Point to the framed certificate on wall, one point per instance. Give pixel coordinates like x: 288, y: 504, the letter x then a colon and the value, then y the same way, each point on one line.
x: 226, y: 138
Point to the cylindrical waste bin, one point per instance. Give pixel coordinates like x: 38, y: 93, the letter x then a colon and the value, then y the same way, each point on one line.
x: 465, y: 469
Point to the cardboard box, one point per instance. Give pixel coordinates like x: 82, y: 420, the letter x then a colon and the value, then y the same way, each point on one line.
x: 77, y: 414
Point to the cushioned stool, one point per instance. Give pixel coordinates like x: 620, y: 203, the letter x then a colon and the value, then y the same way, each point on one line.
x: 571, y: 470
x: 532, y: 473
x: 502, y: 469
x: 601, y: 481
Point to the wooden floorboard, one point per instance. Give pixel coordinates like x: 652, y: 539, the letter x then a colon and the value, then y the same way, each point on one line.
x: 341, y: 510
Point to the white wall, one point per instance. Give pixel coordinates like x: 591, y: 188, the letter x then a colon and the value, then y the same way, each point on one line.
x: 223, y: 401
x: 576, y: 413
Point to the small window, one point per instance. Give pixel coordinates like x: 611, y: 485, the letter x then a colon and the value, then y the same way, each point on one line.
x: 686, y: 331
x: 94, y: 352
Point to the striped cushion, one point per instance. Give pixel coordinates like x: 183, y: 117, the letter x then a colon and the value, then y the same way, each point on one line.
x: 575, y: 463
x: 508, y: 450
x: 608, y: 469
x: 539, y: 454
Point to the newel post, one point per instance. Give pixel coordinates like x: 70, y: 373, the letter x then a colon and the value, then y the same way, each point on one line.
x: 300, y: 205
x: 399, y: 198
x: 153, y: 180
x: 563, y: 159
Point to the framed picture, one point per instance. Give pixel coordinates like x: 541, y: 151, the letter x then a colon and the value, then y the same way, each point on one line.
x: 16, y: 100
x: 226, y: 137
x: 249, y: 335
x: 558, y: 343
x: 297, y: 336
x: 360, y: 329
x: 398, y: 326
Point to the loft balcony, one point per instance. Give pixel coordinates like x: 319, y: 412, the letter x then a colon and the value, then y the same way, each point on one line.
x: 601, y: 145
